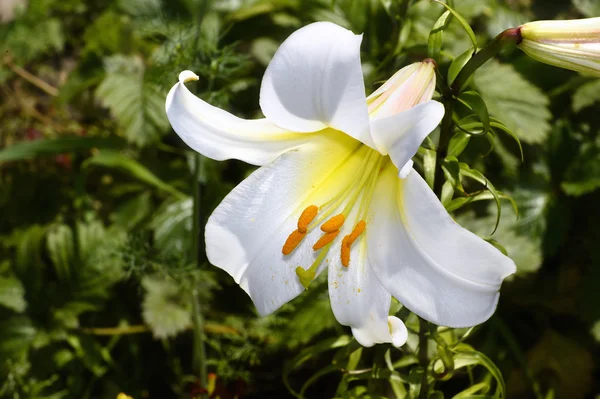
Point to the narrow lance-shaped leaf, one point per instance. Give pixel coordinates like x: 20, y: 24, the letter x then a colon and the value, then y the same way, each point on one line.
x: 458, y: 143
x: 429, y: 162
x: 463, y: 22
x: 467, y: 124
x: 473, y: 100
x: 113, y: 159
x: 459, y: 202
x: 474, y: 174
x: 457, y: 64
x: 32, y: 149
x: 434, y: 43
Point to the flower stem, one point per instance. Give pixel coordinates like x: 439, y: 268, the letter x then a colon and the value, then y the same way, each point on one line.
x: 198, y: 320
x: 423, y: 358
x: 507, y: 38
x: 199, y: 350
x: 442, y: 148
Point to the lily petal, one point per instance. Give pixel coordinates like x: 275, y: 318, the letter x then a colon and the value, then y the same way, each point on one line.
x: 437, y: 269
x: 245, y: 234
x: 220, y: 135
x: 401, y: 135
x: 315, y: 81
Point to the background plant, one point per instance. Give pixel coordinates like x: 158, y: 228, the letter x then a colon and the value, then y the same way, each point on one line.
x: 100, y: 287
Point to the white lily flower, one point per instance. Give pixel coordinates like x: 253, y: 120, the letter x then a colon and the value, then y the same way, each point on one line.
x: 570, y: 44
x: 328, y: 194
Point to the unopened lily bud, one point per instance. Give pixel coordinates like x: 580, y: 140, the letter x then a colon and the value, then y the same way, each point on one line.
x: 411, y: 85
x: 571, y: 44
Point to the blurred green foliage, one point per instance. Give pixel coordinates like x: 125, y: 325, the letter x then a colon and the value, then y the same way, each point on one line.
x: 97, y: 277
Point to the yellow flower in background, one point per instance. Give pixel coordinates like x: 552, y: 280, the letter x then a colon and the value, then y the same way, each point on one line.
x: 123, y: 396
x: 571, y: 44
x: 337, y: 190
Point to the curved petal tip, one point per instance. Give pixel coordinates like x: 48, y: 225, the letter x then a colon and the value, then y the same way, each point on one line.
x: 398, y: 331
x: 188, y: 76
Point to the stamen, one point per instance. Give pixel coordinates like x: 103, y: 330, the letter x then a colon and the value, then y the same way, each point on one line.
x: 345, y: 252
x: 306, y: 217
x: 325, y: 239
x: 349, y: 240
x: 358, y: 230
x: 292, y: 242
x: 333, y: 224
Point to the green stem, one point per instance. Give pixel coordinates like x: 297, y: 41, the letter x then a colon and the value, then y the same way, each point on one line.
x: 423, y: 358
x: 507, y: 38
x: 199, y: 350
x: 198, y: 320
x: 199, y: 356
x: 446, y: 129
x: 196, y: 226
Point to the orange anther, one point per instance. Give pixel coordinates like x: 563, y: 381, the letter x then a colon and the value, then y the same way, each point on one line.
x: 306, y: 217
x: 333, y: 224
x: 349, y: 240
x: 292, y: 242
x: 325, y: 239
x: 358, y: 230
x: 345, y: 252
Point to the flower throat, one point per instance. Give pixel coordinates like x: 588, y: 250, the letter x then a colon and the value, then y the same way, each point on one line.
x: 358, y: 191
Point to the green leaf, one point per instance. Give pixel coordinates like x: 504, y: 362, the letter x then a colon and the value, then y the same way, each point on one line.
x: 457, y: 64
x: 312, y: 351
x: 16, y: 335
x: 474, y: 174
x: 32, y: 36
x: 166, y: 311
x: 101, y: 262
x: 173, y: 227
x: 32, y: 149
x: 522, y: 106
x: 28, y: 263
x: 458, y: 143
x: 434, y: 43
x: 496, y: 124
x: 459, y: 202
x: 134, y: 211
x: 472, y: 358
x: 116, y: 160
x: 429, y: 162
x: 59, y: 242
x: 92, y: 354
x: 586, y: 95
x: 137, y: 104
x: 473, y: 100
x: 451, y: 168
x: 463, y: 22
x: 12, y: 294
x: 311, y: 317
x: 447, y: 193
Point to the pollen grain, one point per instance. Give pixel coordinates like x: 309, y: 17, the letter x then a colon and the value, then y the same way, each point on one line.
x: 325, y: 239
x: 306, y: 217
x: 333, y: 224
x: 292, y: 242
